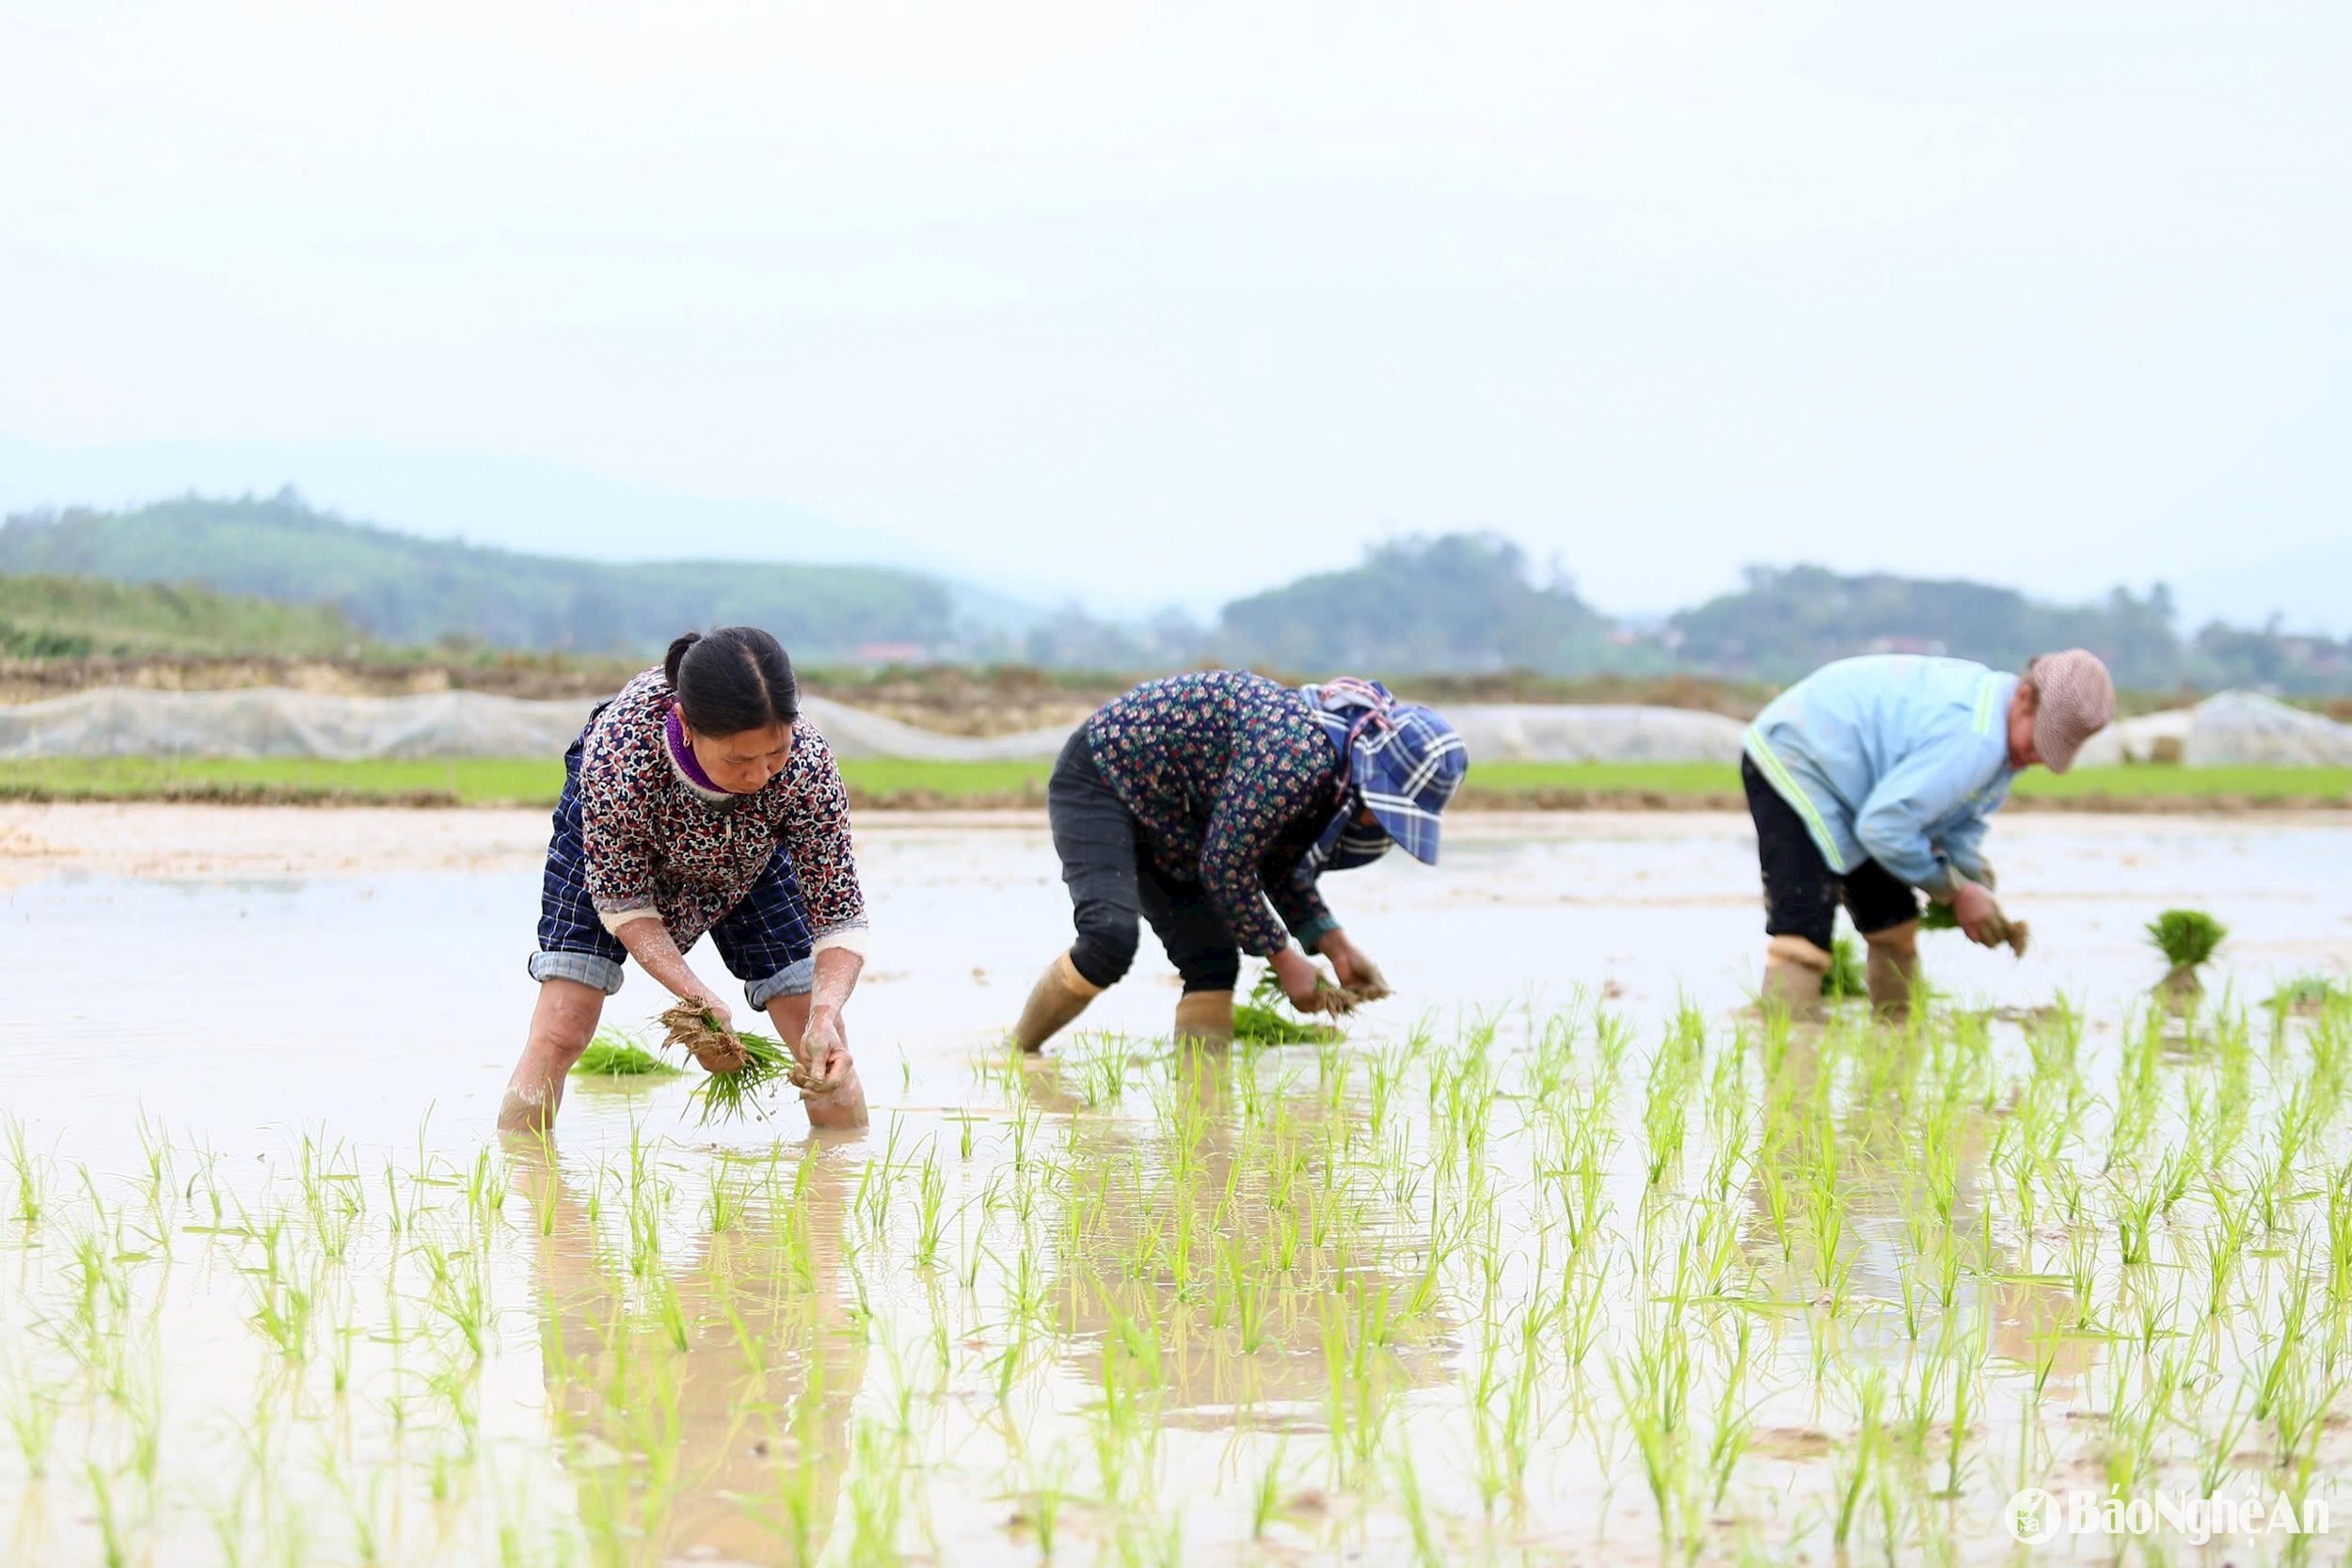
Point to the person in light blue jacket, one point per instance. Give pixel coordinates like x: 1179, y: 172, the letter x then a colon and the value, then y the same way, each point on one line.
x: 1875, y: 777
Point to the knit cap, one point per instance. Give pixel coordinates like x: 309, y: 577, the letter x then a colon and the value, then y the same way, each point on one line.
x: 2076, y: 702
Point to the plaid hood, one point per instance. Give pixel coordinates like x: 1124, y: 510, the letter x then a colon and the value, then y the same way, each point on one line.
x: 1402, y: 761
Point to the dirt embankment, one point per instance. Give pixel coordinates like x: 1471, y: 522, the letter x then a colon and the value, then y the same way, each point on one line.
x: 29, y: 680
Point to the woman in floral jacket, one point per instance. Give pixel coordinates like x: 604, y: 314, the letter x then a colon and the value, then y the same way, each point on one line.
x: 1210, y: 804
x: 697, y: 802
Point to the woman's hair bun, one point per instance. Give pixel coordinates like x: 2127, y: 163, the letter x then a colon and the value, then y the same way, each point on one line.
x: 677, y: 656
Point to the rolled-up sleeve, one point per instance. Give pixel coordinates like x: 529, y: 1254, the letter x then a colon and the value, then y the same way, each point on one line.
x: 815, y: 832
x: 1925, y: 789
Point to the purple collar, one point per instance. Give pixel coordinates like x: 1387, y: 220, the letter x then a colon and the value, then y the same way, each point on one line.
x: 682, y: 758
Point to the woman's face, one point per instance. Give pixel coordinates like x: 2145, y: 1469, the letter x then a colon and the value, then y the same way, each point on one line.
x: 742, y: 762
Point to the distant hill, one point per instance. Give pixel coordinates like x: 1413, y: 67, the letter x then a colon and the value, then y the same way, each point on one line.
x: 1790, y: 620
x: 55, y: 617
x: 404, y: 589
x: 1459, y: 603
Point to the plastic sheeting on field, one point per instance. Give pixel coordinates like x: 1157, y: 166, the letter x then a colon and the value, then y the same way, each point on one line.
x: 2233, y: 727
x: 271, y: 722
x: 1560, y: 731
x: 121, y: 722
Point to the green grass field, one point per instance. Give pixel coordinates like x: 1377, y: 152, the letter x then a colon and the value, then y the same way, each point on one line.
x: 2257, y: 783
x: 533, y: 782
x: 472, y: 782
x: 2129, y: 784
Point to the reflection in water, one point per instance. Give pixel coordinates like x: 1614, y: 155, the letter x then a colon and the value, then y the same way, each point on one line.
x: 1870, y: 1184
x: 1553, y: 1294
x: 1236, y: 1259
x: 703, y: 1405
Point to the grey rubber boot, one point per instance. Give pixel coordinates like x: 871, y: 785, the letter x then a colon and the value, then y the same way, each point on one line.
x: 1061, y: 994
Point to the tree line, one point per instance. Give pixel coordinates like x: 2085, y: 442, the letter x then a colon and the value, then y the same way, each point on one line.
x: 1456, y: 604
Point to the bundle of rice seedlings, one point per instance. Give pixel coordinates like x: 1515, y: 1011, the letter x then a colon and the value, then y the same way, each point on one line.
x: 731, y: 1096
x: 1844, y: 976
x: 2187, y: 938
x: 1939, y: 917
x: 1261, y: 1021
x: 2306, y: 995
x: 614, y: 1055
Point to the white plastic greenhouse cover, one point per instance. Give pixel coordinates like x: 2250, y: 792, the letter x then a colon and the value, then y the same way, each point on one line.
x: 121, y: 721
x: 2232, y: 728
x: 272, y: 722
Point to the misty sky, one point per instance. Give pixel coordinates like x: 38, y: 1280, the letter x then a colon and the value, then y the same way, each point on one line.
x: 1140, y: 304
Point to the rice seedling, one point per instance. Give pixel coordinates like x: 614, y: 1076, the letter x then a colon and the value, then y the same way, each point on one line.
x: 2306, y: 995
x: 31, y: 1412
x: 615, y: 1055
x: 29, y: 1173
x: 1843, y: 980
x: 741, y: 1093
x: 2187, y: 938
x: 1262, y: 1018
x: 1415, y: 1298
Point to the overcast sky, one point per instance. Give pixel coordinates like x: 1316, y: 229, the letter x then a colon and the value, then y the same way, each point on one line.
x: 1140, y: 304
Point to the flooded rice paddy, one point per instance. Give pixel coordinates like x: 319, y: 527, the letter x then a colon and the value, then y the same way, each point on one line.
x: 1558, y: 1258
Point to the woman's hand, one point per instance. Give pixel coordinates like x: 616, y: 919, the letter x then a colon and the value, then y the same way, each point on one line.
x: 648, y: 942
x: 825, y: 1050
x: 1303, y: 984
x: 727, y: 1055
x: 1357, y: 972
x: 839, y: 1101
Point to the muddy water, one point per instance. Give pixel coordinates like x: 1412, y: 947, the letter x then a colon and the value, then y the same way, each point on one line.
x: 367, y: 1000
x: 1251, y: 1309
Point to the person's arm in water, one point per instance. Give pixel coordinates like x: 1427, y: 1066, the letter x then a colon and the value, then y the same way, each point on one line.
x: 619, y: 876
x: 814, y: 829
x: 650, y: 944
x: 1257, y: 798
x: 1927, y: 787
x: 1299, y: 902
x: 824, y: 1046
x: 1963, y: 848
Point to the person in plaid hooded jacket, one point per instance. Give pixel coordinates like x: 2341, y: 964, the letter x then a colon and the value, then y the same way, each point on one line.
x: 1211, y: 804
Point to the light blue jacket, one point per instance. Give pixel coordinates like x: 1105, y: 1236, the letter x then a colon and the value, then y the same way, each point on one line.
x: 1894, y: 759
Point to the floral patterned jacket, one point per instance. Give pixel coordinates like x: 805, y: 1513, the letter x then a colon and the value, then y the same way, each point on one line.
x: 1232, y: 781
x: 654, y: 841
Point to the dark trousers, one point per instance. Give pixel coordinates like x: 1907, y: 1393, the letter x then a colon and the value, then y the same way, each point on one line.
x: 1107, y: 864
x: 1801, y: 892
